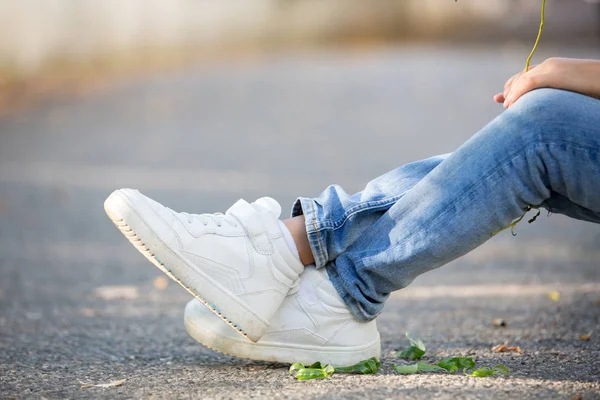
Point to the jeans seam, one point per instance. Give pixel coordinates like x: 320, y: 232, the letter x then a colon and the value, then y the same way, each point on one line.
x: 315, y: 226
x: 318, y: 228
x: 318, y: 233
x: 369, y: 205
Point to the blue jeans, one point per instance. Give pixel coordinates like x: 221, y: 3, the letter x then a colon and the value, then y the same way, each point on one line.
x: 544, y: 150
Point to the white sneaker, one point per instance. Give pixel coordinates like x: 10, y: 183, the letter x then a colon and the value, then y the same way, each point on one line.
x: 313, y: 324
x: 238, y: 264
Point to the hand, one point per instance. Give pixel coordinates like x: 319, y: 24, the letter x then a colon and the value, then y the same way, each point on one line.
x: 582, y: 76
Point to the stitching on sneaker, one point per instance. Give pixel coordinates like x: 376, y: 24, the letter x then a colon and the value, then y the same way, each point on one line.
x: 258, y: 248
x: 155, y: 212
x: 271, y: 268
x: 262, y: 292
x: 336, y: 334
x: 304, y: 308
x: 250, y: 260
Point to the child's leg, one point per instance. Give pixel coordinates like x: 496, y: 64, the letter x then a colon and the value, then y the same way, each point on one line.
x: 336, y: 219
x: 543, y: 150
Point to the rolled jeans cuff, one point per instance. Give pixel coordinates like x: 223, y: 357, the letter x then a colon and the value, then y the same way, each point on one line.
x: 354, y: 306
x: 310, y: 209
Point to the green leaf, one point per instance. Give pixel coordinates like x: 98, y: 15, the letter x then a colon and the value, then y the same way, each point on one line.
x: 306, y: 374
x: 417, y: 367
x: 411, y: 353
x: 296, y: 367
x: 502, y: 369
x: 487, y: 371
x: 456, y: 363
x: 370, y: 366
x: 482, y: 372
x: 328, y: 369
x: 424, y: 367
x: 406, y: 369
x: 314, y: 371
x: 418, y: 343
x: 415, y: 351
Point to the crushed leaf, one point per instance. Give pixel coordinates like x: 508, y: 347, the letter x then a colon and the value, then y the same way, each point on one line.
x: 487, y: 371
x: 554, y: 295
x: 103, y: 385
x: 457, y: 363
x: 160, y: 283
x: 117, y: 292
x: 499, y: 322
x: 370, y: 366
x: 452, y: 365
x: 504, y: 348
x: 406, y: 369
x: 417, y: 367
x: 318, y: 371
x: 415, y: 351
x: 315, y: 371
x: 585, y: 337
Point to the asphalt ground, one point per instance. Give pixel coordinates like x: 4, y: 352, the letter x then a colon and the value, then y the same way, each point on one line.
x: 284, y: 125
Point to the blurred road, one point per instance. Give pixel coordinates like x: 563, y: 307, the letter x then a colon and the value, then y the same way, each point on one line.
x: 285, y: 125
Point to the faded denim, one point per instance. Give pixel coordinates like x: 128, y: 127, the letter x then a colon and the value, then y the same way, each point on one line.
x: 544, y: 150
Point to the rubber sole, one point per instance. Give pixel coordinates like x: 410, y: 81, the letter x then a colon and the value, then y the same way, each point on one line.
x: 211, y: 333
x: 148, y: 243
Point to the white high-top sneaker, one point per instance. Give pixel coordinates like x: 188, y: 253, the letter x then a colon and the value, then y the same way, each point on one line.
x: 313, y: 324
x: 238, y: 264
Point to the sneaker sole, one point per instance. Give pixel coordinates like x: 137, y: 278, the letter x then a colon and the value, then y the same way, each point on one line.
x: 149, y: 244
x: 209, y: 335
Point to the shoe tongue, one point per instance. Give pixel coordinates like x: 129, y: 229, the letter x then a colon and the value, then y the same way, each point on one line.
x: 269, y: 204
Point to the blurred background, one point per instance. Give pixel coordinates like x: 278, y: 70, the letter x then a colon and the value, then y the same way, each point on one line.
x: 62, y: 45
x: 200, y: 102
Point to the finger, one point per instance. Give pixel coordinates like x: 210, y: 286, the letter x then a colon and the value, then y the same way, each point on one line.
x: 509, y: 85
x: 499, y: 98
x: 524, y: 84
x: 513, y: 78
x: 510, y: 81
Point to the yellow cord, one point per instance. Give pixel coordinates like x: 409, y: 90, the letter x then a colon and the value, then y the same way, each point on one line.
x: 537, y: 40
